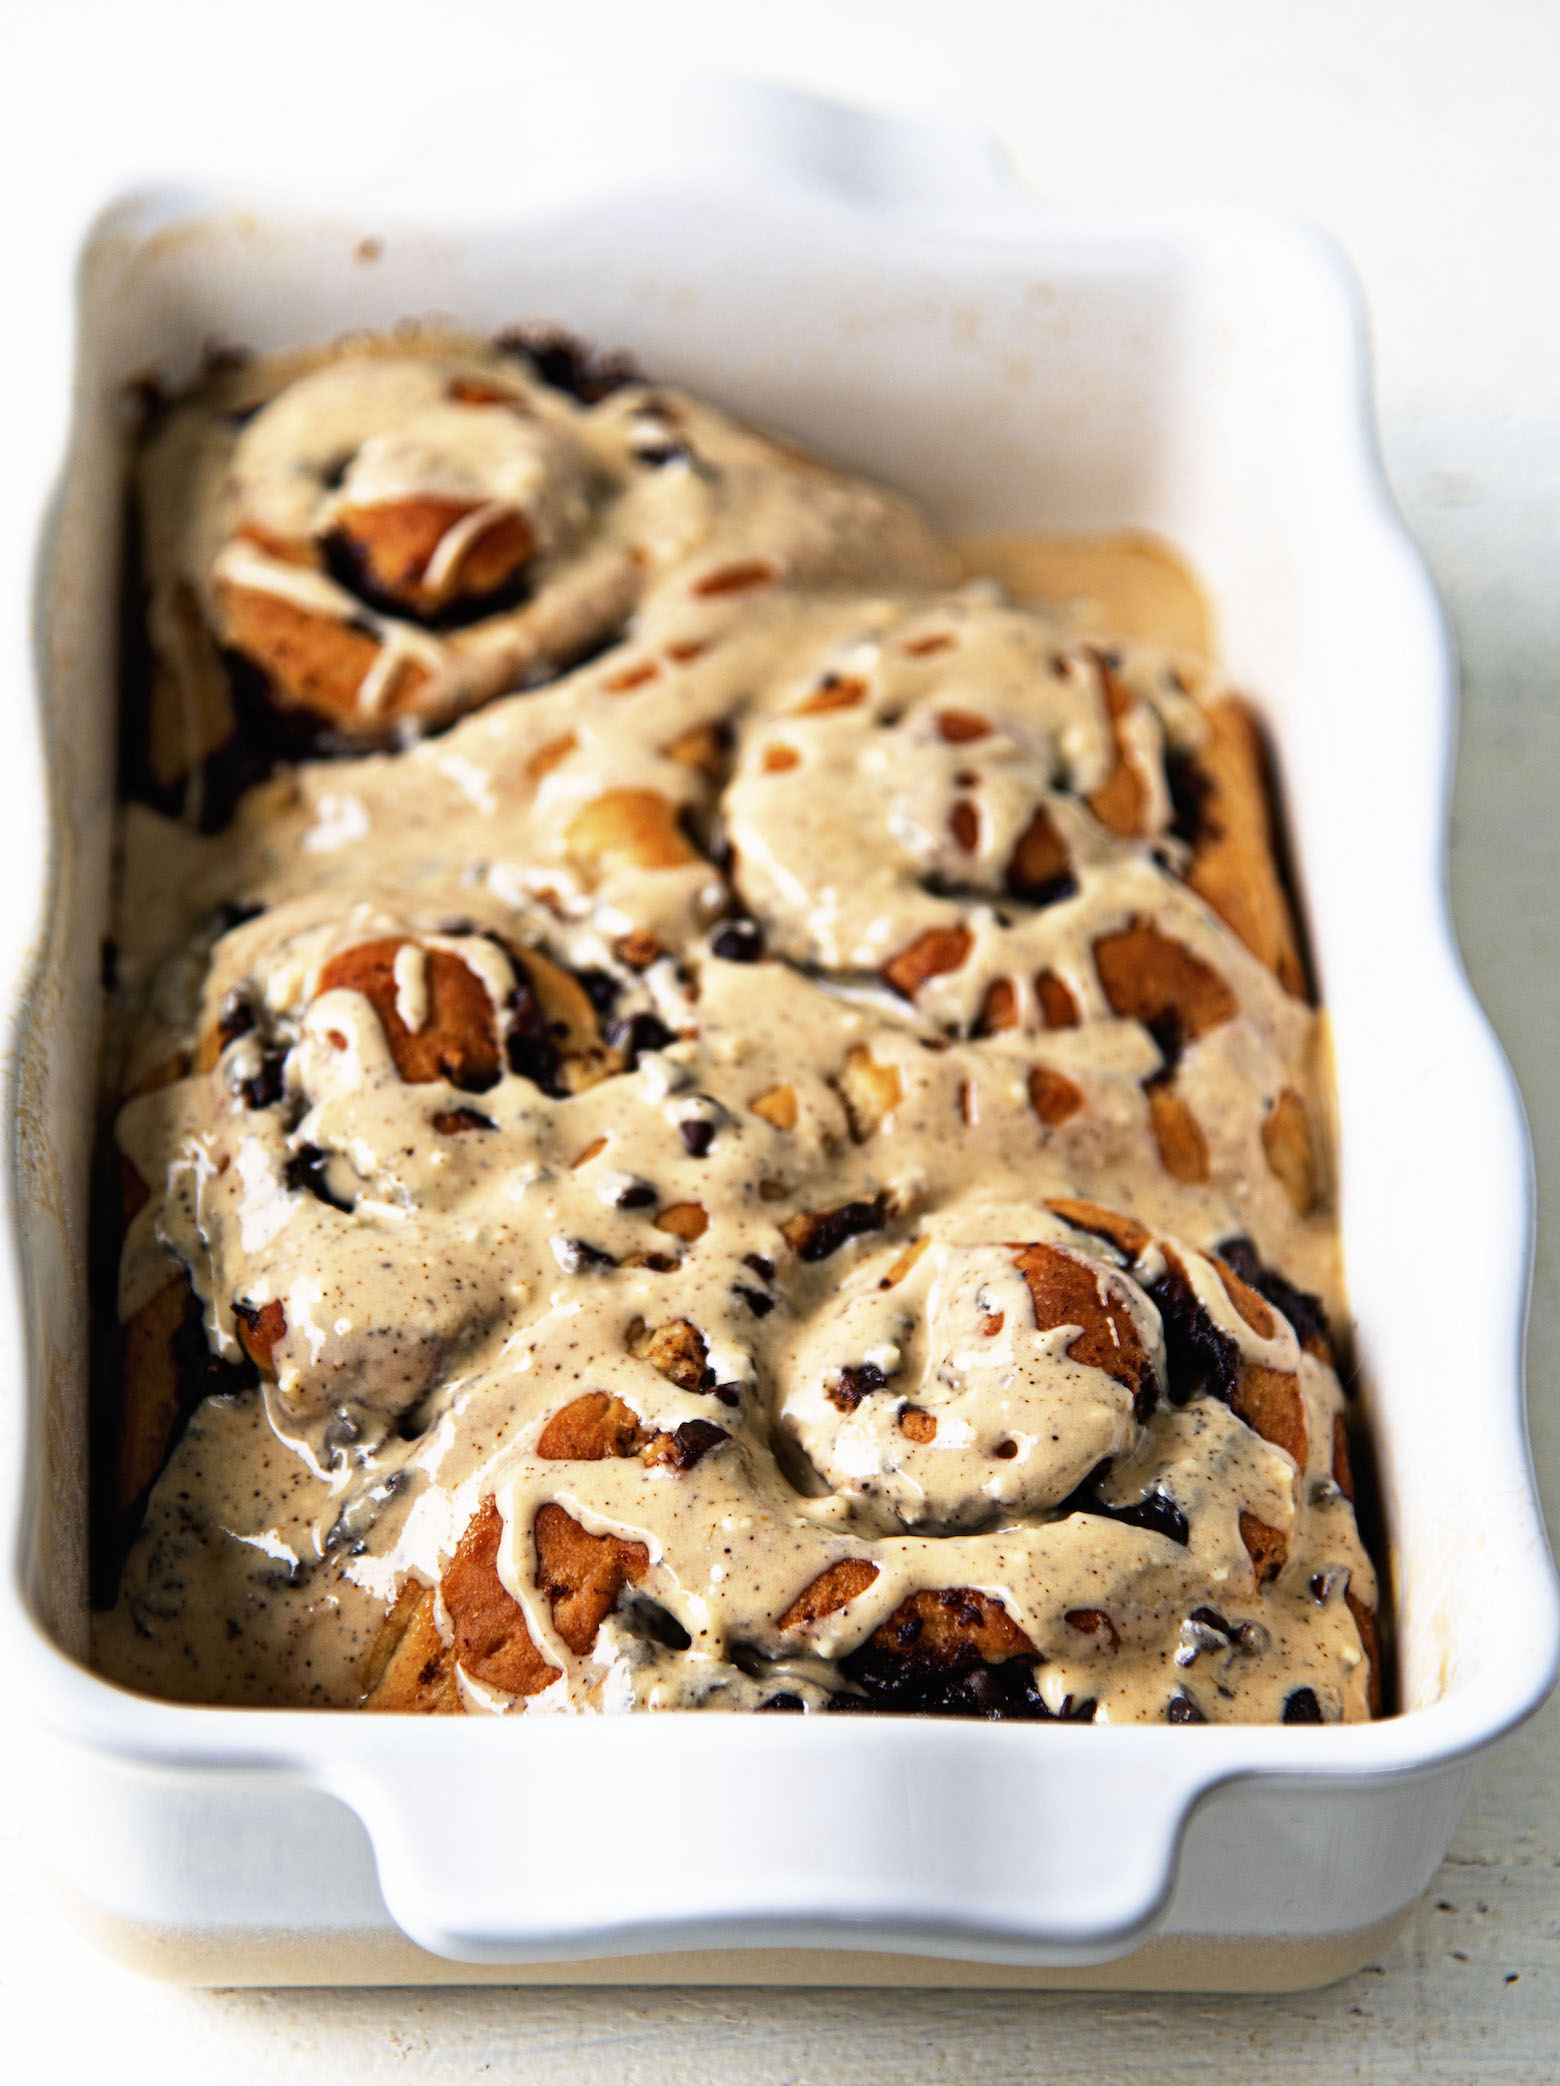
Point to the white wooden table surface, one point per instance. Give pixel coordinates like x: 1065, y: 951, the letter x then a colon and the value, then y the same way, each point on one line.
x: 1423, y: 132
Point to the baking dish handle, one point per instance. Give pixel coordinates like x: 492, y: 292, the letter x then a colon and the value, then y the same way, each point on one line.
x: 633, y: 128
x: 597, y: 1837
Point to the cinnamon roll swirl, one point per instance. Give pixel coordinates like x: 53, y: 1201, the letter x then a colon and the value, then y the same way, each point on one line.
x: 353, y: 547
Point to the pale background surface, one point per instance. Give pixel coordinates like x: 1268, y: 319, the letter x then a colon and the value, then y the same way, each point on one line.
x: 1423, y: 133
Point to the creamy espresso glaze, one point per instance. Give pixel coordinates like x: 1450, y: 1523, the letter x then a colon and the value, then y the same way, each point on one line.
x: 387, y: 533
x: 729, y: 1154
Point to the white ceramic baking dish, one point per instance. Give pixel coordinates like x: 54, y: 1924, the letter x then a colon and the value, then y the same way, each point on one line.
x: 879, y: 289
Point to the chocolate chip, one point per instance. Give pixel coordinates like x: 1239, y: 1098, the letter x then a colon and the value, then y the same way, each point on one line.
x: 654, y: 439
x: 1170, y: 1038
x: 1305, y: 1312
x: 1198, y: 1636
x: 265, y: 734
x: 308, y: 1172
x: 236, y: 1019
x: 783, y: 1701
x: 423, y: 1413
x: 721, y: 852
x: 578, y: 1256
x: 634, y: 1195
x: 265, y: 1089
x: 901, y: 1682
x: 825, y: 1231
x: 1051, y: 892
x: 1189, y: 787
x: 569, y: 364
x: 727, y: 1393
x: 1158, y: 1513
x: 848, y: 1389
x: 647, y: 1618
x: 1181, y: 1709
x: 641, y: 1032
x: 600, y: 988
x: 755, y: 1299
x: 452, y: 1122
x: 738, y: 941
x: 660, y: 450
x: 200, y: 1373
x: 764, y: 1269
x: 529, y: 1045
x: 692, y: 1441
x: 1200, y: 1356
x: 697, y: 1136
x: 1302, y: 1707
